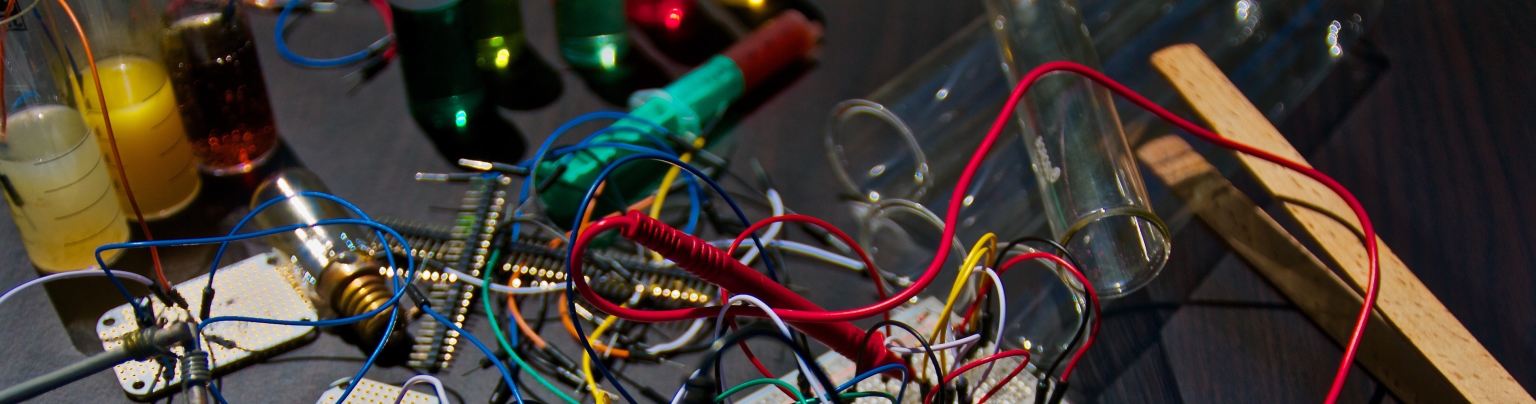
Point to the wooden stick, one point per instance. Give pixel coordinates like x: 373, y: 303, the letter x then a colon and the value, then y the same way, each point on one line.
x: 1415, y: 346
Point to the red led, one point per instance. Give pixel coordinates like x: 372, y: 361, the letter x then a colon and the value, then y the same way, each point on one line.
x: 674, y: 18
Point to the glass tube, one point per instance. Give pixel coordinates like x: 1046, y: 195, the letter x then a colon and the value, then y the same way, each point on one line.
x: 445, y: 95
x: 1093, y: 194
x: 592, y: 32
x: 151, y: 136
x: 496, y: 31
x: 219, y: 87
x: 55, y: 180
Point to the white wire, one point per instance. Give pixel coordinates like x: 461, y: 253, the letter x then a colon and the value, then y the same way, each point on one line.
x: 805, y: 368
x: 494, y: 287
x: 84, y: 273
x: 890, y: 343
x: 437, y: 387
x: 1002, y: 315
x: 681, y: 341
x: 776, y: 208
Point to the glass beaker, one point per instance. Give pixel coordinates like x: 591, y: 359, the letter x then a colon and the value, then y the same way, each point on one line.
x: 55, y: 180
x: 495, y: 32
x: 593, y: 33
x: 1090, y: 187
x: 219, y: 86
x: 150, y: 133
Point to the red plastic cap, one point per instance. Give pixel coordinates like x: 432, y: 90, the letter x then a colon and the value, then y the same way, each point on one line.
x: 785, y: 40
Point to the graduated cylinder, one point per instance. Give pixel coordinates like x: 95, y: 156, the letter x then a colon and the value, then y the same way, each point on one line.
x: 54, y: 178
x: 125, y: 39
x: 1093, y: 195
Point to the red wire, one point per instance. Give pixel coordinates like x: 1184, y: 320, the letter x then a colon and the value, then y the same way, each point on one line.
x: 973, y: 364
x: 1093, y: 299
x: 869, y: 264
x: 952, y: 213
x: 382, y: 7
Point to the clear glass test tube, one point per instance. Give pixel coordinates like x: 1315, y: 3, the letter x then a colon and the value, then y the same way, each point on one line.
x: 907, y: 143
x: 1093, y: 194
x: 151, y: 136
x: 219, y: 86
x: 53, y: 174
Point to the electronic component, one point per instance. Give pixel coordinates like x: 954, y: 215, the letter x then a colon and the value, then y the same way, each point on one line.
x: 336, y: 265
x: 257, y: 287
x: 922, y: 315
x: 467, y: 249
x: 683, y: 107
x: 370, y: 391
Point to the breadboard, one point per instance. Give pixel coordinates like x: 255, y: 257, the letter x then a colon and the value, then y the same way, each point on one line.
x: 254, y: 287
x: 369, y: 391
x: 922, y: 316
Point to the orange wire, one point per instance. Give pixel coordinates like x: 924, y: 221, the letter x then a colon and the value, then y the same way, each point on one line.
x: 117, y: 157
x: 517, y: 316
x: 565, y: 319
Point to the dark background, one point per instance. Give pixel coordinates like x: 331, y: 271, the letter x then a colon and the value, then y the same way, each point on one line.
x: 1437, y: 146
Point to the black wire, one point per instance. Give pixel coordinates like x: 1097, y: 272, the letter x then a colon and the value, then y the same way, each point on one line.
x: 927, y: 348
x: 1082, y: 321
x: 711, y: 360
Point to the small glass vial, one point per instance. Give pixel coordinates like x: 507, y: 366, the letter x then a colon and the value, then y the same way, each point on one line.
x: 445, y: 95
x: 219, y: 88
x: 53, y: 174
x: 593, y: 33
x: 150, y: 133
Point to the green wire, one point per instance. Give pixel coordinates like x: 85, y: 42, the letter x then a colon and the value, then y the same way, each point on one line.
x: 859, y: 394
x: 485, y: 298
x: 800, y: 397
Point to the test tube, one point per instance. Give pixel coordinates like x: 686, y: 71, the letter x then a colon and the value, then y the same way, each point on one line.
x: 592, y: 32
x: 151, y: 136
x: 495, y: 28
x: 445, y: 95
x: 907, y: 142
x: 219, y: 87
x: 56, y: 182
x: 1093, y: 195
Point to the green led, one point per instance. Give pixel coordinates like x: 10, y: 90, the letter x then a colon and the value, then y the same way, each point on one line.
x: 460, y: 118
x: 592, y: 32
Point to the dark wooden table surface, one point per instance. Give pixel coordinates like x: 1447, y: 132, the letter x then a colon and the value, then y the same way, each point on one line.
x: 1438, y: 147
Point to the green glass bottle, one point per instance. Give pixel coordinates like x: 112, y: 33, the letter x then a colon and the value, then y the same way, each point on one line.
x: 495, y: 30
x: 446, y: 96
x: 592, y: 32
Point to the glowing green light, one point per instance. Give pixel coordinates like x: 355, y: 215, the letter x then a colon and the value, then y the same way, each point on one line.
x: 503, y: 56
x: 461, y: 118
x: 608, y: 56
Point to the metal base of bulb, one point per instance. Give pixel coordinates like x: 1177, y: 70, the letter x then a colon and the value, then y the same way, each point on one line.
x: 356, y: 287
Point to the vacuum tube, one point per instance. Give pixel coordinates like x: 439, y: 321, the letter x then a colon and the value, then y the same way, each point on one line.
x: 55, y: 180
x: 151, y: 136
x: 219, y: 87
x: 338, y: 264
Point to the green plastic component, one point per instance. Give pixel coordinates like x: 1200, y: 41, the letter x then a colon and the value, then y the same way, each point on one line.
x: 682, y: 107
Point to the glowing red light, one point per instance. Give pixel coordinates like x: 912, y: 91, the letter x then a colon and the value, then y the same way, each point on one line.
x: 674, y: 18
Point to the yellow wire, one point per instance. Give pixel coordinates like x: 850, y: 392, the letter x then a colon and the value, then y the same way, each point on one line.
x: 598, y: 395
x: 666, y: 187
x: 985, y: 248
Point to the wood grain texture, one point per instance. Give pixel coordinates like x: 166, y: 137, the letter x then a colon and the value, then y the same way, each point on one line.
x: 1403, y: 301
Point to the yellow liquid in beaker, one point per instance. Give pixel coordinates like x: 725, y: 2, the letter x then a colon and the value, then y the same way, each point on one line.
x: 59, y: 189
x: 149, y: 131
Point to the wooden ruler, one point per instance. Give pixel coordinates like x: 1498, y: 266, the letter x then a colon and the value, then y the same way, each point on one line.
x: 1414, y: 345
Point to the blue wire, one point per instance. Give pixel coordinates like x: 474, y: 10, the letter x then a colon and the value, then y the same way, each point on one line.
x: 695, y: 194
x: 218, y: 396
x: 905, y: 373
x: 282, y: 45
x: 581, y: 208
x: 543, y: 150
x: 506, y: 375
